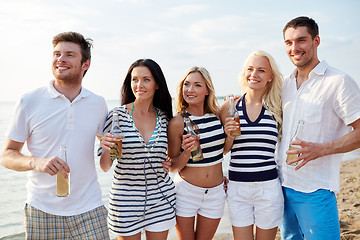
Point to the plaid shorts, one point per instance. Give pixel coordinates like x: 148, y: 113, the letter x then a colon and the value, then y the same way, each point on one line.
x: 88, y: 225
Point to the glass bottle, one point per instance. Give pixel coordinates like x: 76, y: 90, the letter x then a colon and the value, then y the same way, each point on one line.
x: 116, y: 150
x: 62, y: 183
x: 235, y: 115
x: 196, y: 153
x: 297, y: 136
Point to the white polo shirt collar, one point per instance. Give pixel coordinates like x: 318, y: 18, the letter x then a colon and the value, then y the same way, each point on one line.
x: 54, y: 93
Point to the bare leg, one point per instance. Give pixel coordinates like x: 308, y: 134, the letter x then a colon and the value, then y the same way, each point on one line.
x: 243, y: 233
x: 156, y: 235
x: 132, y: 237
x: 206, y: 227
x: 185, y: 228
x: 265, y: 234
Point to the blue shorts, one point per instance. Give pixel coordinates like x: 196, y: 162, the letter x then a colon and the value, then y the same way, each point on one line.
x: 311, y: 215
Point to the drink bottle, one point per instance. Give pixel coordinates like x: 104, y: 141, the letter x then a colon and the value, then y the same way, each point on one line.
x: 297, y: 136
x: 196, y: 153
x: 62, y: 183
x: 116, y: 150
x: 235, y: 115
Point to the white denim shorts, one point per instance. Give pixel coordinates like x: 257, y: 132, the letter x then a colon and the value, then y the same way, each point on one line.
x: 156, y: 227
x: 162, y: 226
x: 190, y: 199
x: 261, y: 203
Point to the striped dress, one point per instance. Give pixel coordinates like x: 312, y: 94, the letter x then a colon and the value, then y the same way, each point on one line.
x: 212, y: 139
x: 141, y: 194
x: 252, y: 154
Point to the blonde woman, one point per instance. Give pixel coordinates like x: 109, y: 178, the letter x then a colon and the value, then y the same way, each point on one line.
x: 254, y: 191
x: 199, y: 184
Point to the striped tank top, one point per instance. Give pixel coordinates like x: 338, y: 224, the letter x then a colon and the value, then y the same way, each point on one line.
x: 142, y: 193
x: 212, y: 139
x: 252, y: 154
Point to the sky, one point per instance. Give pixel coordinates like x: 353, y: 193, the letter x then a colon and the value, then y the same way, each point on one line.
x: 217, y: 35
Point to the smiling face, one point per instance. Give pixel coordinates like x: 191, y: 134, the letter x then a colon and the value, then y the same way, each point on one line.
x: 258, y: 73
x: 66, y: 63
x: 143, y: 83
x: 301, y: 47
x: 194, y: 89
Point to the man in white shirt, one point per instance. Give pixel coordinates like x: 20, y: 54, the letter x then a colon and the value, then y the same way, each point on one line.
x: 61, y: 114
x: 327, y: 100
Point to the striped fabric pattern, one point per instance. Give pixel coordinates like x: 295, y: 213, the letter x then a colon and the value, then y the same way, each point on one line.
x: 153, y: 137
x: 212, y: 139
x: 142, y: 194
x: 252, y: 154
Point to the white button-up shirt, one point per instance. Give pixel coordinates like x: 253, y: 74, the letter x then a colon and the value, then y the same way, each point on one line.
x: 327, y: 102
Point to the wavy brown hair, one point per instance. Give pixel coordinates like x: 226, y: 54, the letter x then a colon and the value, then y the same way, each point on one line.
x: 210, y: 104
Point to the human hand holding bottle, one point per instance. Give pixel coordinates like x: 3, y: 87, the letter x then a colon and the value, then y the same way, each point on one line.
x: 230, y: 126
x: 193, y: 131
x: 63, y: 180
x: 109, y: 140
x: 116, y: 144
x: 188, y: 142
x: 306, y: 152
x: 293, y: 153
x: 235, y: 118
x: 301, y: 152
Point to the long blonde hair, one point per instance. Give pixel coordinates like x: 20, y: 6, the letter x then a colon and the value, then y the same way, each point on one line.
x: 210, y: 104
x: 272, y: 96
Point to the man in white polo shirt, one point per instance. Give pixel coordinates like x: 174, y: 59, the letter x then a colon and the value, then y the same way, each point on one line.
x: 328, y: 101
x: 63, y: 113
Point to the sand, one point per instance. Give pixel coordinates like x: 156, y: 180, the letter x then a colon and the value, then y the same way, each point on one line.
x: 348, y: 205
x: 348, y: 200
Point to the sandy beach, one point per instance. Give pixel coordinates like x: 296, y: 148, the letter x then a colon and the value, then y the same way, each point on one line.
x: 348, y: 204
x: 348, y: 200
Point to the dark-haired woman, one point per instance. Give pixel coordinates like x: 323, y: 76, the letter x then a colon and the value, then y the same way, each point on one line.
x: 142, y: 195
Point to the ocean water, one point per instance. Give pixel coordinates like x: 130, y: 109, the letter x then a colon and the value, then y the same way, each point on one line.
x: 13, y: 184
x: 13, y: 189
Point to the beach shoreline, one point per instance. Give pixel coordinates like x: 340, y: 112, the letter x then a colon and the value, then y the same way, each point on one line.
x: 348, y: 205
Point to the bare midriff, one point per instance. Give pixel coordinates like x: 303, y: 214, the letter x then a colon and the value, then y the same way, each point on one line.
x: 206, y: 177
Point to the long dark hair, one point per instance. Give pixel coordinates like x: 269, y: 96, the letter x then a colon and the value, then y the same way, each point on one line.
x: 162, y: 97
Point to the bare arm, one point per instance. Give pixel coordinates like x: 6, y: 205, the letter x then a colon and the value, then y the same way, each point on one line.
x: 175, y: 141
x: 12, y: 158
x: 310, y: 151
x: 229, y: 125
